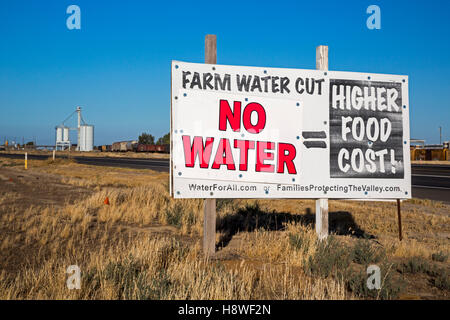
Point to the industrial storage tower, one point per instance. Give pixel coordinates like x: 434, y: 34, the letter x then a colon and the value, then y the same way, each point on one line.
x: 85, y: 134
x: 62, y: 137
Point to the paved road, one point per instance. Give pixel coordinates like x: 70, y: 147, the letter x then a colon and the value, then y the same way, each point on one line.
x: 428, y: 181
x: 154, y: 164
x: 135, y: 163
x: 431, y: 182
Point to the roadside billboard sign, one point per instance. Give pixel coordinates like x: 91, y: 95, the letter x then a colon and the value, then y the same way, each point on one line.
x: 255, y: 132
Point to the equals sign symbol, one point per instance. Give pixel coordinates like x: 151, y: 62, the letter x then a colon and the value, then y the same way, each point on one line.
x: 307, y: 135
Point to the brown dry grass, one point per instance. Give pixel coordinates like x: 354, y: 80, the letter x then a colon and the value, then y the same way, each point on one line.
x: 152, y: 155
x: 445, y: 162
x: 146, y: 245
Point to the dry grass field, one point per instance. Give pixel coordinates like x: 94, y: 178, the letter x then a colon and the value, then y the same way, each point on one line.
x: 146, y: 245
x: 152, y: 155
x: 444, y: 162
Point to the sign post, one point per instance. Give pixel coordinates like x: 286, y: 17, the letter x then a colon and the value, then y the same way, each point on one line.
x: 209, y: 223
x: 399, y: 214
x: 322, y: 204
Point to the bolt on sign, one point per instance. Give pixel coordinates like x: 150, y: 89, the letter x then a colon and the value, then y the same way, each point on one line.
x: 250, y: 132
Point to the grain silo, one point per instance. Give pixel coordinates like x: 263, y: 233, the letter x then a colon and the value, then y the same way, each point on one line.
x: 59, y: 134
x: 62, y: 137
x: 65, y: 136
x: 86, y: 138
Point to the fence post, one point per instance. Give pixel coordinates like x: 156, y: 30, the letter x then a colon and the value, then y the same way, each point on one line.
x: 209, y: 222
x: 399, y: 214
x: 322, y: 204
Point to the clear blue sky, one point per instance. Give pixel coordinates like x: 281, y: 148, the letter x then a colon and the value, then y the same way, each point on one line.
x: 118, y: 65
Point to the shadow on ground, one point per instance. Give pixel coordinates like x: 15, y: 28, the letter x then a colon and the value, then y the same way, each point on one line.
x: 252, y: 217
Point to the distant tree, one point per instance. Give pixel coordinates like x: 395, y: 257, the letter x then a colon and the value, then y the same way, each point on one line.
x: 146, y: 138
x: 164, y: 139
x: 30, y: 143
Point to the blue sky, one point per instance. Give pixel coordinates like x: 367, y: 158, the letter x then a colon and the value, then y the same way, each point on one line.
x: 118, y: 65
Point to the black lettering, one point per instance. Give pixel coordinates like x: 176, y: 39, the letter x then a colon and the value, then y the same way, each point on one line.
x: 275, y: 85
x: 185, y: 79
x: 284, y: 85
x: 299, y: 82
x: 266, y: 80
x: 309, y: 82
x: 225, y: 84
x: 244, y: 82
x: 256, y: 84
x: 319, y: 83
x: 207, y: 77
x: 196, y: 81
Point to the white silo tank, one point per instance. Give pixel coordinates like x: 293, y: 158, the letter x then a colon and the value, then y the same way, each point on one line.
x: 59, y: 134
x: 66, y: 134
x: 86, y: 138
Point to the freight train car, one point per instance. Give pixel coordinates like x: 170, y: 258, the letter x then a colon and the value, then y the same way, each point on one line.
x: 124, y: 146
x: 146, y: 147
x: 163, y: 148
x: 152, y: 148
x: 115, y: 147
x: 430, y: 153
x: 106, y: 148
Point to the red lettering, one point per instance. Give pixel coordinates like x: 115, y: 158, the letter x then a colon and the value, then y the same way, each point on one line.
x: 234, y: 118
x: 262, y: 155
x: 224, y: 156
x: 197, y: 148
x: 249, y: 109
x: 265, y: 151
x: 286, y: 158
x: 243, y: 146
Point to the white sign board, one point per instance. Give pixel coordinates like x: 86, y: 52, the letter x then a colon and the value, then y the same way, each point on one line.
x: 250, y: 132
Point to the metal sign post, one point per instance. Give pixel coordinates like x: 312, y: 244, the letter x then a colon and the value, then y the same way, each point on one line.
x: 400, y: 237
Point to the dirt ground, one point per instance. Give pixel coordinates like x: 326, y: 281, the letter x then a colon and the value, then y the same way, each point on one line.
x: 22, y: 190
x: 25, y: 188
